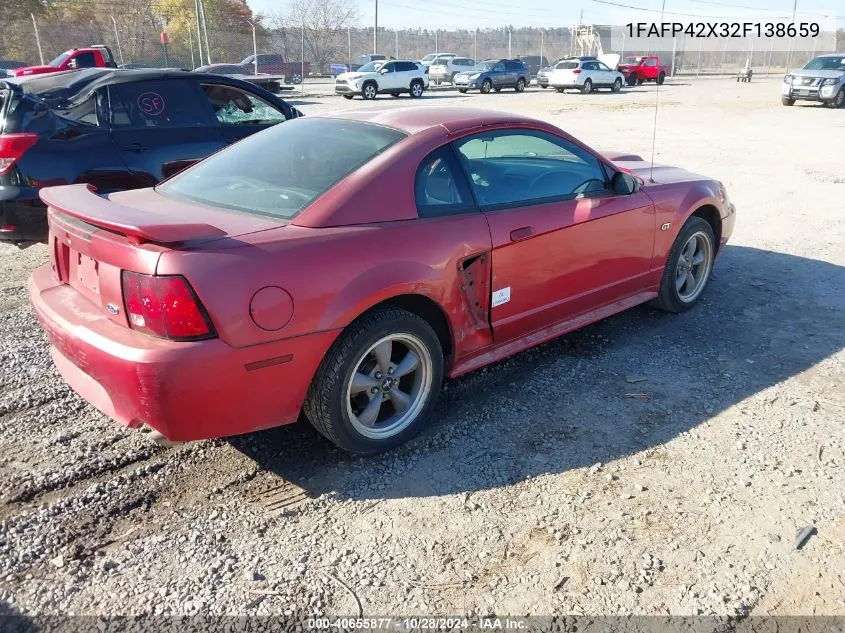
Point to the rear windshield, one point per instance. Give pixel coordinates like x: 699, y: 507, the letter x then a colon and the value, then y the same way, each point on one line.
x: 567, y: 65
x: 280, y: 171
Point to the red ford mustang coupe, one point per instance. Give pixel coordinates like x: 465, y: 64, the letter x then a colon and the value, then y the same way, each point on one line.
x: 339, y: 267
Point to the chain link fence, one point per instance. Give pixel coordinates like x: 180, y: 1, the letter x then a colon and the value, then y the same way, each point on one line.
x: 135, y: 40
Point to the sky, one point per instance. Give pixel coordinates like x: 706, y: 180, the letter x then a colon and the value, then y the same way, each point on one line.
x: 468, y: 14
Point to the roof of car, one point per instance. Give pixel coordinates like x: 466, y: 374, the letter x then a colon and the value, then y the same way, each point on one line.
x: 69, y: 85
x: 415, y: 119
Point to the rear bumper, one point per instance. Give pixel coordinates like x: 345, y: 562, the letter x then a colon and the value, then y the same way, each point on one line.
x: 186, y: 391
x: 23, y: 217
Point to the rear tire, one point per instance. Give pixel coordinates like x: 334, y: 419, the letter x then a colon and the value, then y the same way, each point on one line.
x: 543, y: 86
x: 520, y: 85
x: 486, y: 86
x: 661, y: 78
x: 587, y: 88
x: 357, y: 396
x: 632, y: 79
x: 463, y: 91
x: 787, y: 101
x: 417, y: 89
x: 348, y: 96
x: 688, y: 267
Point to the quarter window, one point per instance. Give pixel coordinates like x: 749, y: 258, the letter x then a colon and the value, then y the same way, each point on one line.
x: 440, y: 187
x: 513, y: 168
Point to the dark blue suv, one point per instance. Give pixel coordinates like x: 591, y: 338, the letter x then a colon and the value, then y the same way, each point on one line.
x: 493, y: 74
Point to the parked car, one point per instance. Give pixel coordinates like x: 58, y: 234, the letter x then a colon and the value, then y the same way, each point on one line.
x: 363, y: 60
x: 585, y: 74
x: 645, y: 68
x: 9, y: 65
x: 388, y: 77
x: 543, y: 75
x: 223, y: 69
x: 533, y: 64
x: 493, y: 74
x: 115, y: 129
x: 96, y: 56
x: 821, y: 80
x: 338, y: 69
x: 428, y: 60
x: 273, y: 64
x: 445, y: 69
x: 252, y: 287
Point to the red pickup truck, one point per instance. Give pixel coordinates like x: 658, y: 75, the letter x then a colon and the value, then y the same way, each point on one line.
x: 640, y: 69
x: 91, y: 57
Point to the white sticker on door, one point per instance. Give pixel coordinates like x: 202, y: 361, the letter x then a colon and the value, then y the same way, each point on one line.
x: 501, y: 296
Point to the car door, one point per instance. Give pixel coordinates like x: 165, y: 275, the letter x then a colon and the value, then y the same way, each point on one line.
x: 514, y: 69
x: 240, y: 112
x: 590, y: 71
x: 607, y: 76
x: 499, y: 75
x: 389, y: 79
x: 563, y: 244
x: 161, y: 126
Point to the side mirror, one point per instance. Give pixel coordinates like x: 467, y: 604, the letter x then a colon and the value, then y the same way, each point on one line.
x: 624, y: 184
x: 383, y: 71
x: 72, y: 64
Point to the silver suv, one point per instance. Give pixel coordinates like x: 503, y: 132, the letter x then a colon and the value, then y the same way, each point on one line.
x: 822, y: 79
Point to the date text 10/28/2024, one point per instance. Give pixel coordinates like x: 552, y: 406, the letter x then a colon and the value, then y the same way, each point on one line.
x: 723, y: 29
x: 420, y: 624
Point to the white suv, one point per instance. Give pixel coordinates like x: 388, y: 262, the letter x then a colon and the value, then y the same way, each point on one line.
x: 445, y: 69
x: 391, y: 77
x: 584, y: 74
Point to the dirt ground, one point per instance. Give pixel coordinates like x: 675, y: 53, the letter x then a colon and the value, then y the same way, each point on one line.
x: 545, y: 484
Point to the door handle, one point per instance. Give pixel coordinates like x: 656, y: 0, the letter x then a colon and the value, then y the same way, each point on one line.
x: 523, y: 233
x: 134, y: 147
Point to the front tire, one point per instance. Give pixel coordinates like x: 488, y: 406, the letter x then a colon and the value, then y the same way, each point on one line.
x: 543, y: 86
x: 417, y: 89
x: 463, y: 91
x: 688, y: 267
x: 838, y: 101
x: 617, y: 85
x: 632, y: 79
x: 520, y: 84
x: 369, y: 90
x: 348, y: 96
x: 787, y: 101
x: 486, y: 86
x: 378, y: 383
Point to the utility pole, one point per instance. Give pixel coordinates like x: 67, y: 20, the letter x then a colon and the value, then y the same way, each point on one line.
x: 436, y: 49
x: 475, y: 47
x: 789, y: 53
x: 205, y: 32
x: 254, y: 47
x: 375, y: 31
x: 542, y: 41
x: 117, y: 37
x: 199, y: 32
x: 349, y: 47
x: 37, y: 37
x: 509, y: 42
x: 397, y: 42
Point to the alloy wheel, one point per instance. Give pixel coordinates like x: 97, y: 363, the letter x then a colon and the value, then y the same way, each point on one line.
x: 389, y: 387
x: 694, y: 266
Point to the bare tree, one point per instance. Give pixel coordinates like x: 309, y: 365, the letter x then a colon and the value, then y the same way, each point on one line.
x: 322, y: 22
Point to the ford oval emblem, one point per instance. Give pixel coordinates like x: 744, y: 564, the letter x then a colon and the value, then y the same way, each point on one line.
x: 113, y: 309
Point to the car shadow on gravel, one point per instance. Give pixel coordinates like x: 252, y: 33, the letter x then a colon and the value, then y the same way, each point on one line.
x: 611, y: 390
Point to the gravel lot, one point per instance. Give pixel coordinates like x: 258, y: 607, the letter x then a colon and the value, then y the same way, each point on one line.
x: 543, y: 486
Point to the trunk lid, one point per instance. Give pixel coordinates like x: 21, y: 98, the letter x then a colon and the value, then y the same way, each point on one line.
x: 94, y: 238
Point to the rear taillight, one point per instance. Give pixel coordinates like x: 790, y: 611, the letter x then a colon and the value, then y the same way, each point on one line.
x: 165, y: 306
x: 577, y: 71
x: 12, y: 147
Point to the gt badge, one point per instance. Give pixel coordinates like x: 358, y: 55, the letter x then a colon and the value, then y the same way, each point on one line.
x: 665, y: 227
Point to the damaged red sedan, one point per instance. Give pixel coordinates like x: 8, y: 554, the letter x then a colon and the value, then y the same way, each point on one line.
x: 341, y: 267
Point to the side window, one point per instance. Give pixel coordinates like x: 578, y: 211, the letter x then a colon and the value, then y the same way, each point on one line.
x: 82, y: 112
x: 389, y: 67
x: 234, y: 106
x: 85, y: 60
x: 603, y: 67
x: 405, y: 67
x: 650, y: 62
x: 525, y: 167
x: 590, y: 66
x: 500, y: 67
x: 157, y: 104
x: 440, y: 187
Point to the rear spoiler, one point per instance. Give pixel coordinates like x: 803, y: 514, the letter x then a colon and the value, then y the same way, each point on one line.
x: 81, y: 202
